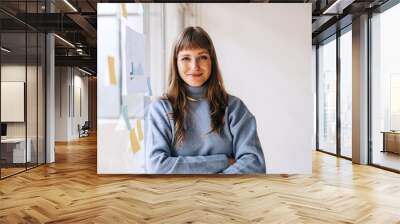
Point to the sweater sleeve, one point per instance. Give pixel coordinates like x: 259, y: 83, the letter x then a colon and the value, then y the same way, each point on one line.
x: 160, y: 159
x: 246, y: 144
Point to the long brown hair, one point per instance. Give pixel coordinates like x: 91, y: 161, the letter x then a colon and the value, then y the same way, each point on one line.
x: 191, y: 38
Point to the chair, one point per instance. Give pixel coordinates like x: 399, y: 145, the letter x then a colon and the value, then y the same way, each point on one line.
x: 84, y: 130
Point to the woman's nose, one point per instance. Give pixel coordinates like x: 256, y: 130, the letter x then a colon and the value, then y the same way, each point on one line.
x: 195, y: 63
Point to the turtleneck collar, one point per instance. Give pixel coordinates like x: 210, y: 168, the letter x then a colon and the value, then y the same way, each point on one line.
x: 197, y: 92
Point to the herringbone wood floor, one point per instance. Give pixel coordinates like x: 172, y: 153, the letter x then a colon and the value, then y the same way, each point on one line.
x: 70, y: 191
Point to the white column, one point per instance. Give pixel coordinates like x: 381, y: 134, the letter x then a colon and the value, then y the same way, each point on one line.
x: 360, y: 90
x: 50, y: 99
x: 50, y: 93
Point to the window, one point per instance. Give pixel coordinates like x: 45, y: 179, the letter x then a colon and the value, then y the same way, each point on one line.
x: 385, y: 88
x: 327, y: 96
x: 346, y: 93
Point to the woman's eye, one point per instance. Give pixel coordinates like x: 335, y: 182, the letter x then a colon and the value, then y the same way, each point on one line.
x: 185, y: 59
x: 204, y: 57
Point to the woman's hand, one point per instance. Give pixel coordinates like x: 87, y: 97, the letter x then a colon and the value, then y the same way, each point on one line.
x: 231, y: 161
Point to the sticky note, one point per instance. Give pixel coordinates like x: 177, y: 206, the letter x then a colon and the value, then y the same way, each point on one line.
x: 139, y: 129
x: 124, y: 11
x: 135, y: 146
x: 111, y: 70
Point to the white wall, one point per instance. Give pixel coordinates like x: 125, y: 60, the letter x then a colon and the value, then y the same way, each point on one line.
x: 80, y: 83
x: 265, y: 52
x: 61, y: 103
x: 174, y: 24
x: 67, y: 116
x: 156, y: 46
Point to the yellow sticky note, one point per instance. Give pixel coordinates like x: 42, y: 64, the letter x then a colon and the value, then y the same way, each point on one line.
x: 135, y: 146
x: 139, y: 129
x: 111, y: 70
x: 124, y: 11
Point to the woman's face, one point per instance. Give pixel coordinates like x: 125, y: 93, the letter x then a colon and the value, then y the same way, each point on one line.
x: 194, y: 66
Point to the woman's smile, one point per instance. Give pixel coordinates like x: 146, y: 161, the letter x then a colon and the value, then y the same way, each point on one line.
x: 196, y: 74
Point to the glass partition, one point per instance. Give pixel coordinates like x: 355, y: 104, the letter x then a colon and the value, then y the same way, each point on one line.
x: 31, y: 100
x: 22, y: 89
x: 327, y: 96
x: 13, y: 107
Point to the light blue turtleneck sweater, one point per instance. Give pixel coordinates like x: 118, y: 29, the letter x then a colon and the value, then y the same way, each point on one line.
x: 202, y: 152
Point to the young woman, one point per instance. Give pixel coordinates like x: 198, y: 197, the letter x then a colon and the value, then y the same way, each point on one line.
x: 197, y: 128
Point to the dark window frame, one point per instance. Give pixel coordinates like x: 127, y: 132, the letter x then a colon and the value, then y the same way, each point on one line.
x: 334, y: 37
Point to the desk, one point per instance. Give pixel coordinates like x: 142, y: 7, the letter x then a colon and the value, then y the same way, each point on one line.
x: 16, y: 147
x: 391, y: 141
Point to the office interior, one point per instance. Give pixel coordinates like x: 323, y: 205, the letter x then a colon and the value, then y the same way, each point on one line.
x: 39, y: 108
x: 48, y: 77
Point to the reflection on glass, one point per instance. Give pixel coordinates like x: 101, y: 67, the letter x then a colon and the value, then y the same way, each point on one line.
x: 386, y: 89
x: 41, y: 99
x: 346, y: 94
x: 31, y: 101
x: 13, y: 86
x: 327, y: 97
x: 22, y: 90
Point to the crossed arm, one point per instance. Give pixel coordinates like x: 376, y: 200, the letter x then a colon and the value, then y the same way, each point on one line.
x: 248, y: 154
